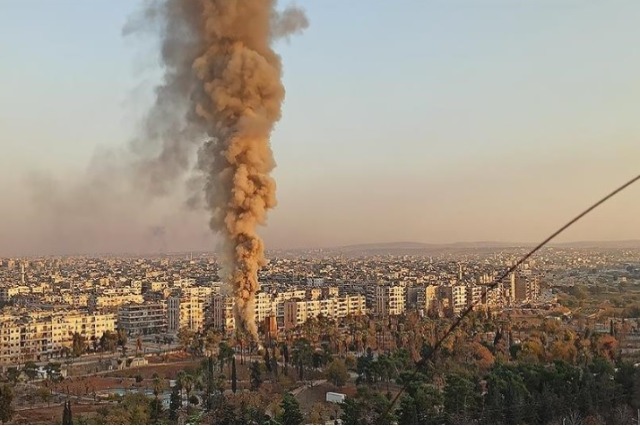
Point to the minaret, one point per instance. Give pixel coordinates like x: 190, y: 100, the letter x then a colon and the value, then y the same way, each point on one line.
x: 22, y: 273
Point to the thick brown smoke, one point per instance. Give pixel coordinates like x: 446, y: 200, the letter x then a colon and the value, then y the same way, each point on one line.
x: 220, y: 61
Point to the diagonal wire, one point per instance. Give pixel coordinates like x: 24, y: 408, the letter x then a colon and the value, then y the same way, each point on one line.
x: 495, y: 283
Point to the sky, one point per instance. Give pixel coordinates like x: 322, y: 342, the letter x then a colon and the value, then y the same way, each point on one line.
x: 404, y: 120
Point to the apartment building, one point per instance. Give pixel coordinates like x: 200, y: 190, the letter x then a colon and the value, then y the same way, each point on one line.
x: 185, y: 311
x: 297, y: 312
x: 39, y: 336
x: 524, y: 288
x: 222, y: 312
x: 389, y: 300
x: 474, y: 295
x: 112, y: 301
x: 7, y: 293
x: 454, y: 297
x: 146, y: 318
x: 427, y: 299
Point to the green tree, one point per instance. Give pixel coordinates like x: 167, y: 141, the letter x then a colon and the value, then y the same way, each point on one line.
x: 79, y: 345
x: 285, y: 356
x: 156, y: 411
x: 67, y: 416
x: 109, y: 341
x: 461, y: 401
x: 256, y: 375
x: 302, y: 356
x: 337, y: 372
x: 225, y: 354
x: 44, y: 394
x: 6, y: 401
x: 122, y: 339
x: 175, y: 402
x: 156, y: 404
x: 234, y: 376
x: 30, y: 369
x: 188, y: 382
x: 408, y: 411
x: 53, y: 371
x: 291, y: 414
x: 186, y: 337
x: 367, y: 407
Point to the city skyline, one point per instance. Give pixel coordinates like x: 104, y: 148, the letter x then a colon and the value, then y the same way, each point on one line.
x: 455, y: 123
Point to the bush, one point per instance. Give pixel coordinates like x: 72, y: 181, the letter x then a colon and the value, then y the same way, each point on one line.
x: 139, y: 378
x: 193, y: 400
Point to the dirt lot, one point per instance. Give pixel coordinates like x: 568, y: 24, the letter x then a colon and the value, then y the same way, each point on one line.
x: 51, y: 415
x: 166, y: 371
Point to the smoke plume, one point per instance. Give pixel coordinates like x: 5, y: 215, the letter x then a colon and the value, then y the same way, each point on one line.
x: 222, y: 85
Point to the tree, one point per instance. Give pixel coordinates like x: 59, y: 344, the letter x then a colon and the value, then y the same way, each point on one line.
x: 367, y: 407
x: 291, y: 414
x: 285, y: 356
x: 302, y: 356
x: 44, y: 394
x: 461, y: 401
x: 109, y: 341
x: 193, y: 400
x: 225, y: 354
x: 79, y: 345
x: 67, y: 416
x: 408, y: 412
x: 234, y: 376
x: 157, y: 410
x: 53, y: 371
x: 134, y: 408
x: 337, y: 372
x: 122, y: 339
x: 256, y: 375
x: 156, y: 404
x: 212, y: 339
x: 30, y: 369
x: 186, y: 336
x: 6, y: 400
x: 187, y: 382
x: 175, y: 402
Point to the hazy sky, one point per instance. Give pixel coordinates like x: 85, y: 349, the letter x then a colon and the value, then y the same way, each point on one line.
x: 404, y: 120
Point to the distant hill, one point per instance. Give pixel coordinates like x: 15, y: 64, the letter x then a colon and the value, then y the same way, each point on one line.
x: 622, y: 244
x: 409, y: 247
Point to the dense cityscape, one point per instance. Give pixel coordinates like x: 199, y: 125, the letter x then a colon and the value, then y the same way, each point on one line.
x: 91, y: 319
x: 263, y: 212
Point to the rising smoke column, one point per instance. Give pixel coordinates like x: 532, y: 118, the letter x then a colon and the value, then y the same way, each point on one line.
x: 235, y: 92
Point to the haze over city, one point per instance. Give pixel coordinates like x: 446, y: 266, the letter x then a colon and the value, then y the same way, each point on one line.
x: 402, y: 121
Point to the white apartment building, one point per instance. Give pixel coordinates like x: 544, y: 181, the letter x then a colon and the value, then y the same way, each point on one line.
x: 146, y: 318
x: 427, y: 299
x: 185, y: 311
x: 389, y: 300
x: 269, y: 305
x: 39, y: 336
x: 297, y: 312
x: 6, y: 293
x: 454, y: 296
x: 114, y: 300
x: 474, y: 295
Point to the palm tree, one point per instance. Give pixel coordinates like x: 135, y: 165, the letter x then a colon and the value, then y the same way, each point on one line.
x: 188, y: 382
x: 180, y: 381
x: 241, y: 340
x: 225, y: 354
x: 158, y: 385
x: 212, y: 339
x: 302, y: 355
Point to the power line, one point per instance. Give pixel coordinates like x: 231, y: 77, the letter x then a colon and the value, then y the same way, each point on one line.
x: 497, y: 281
